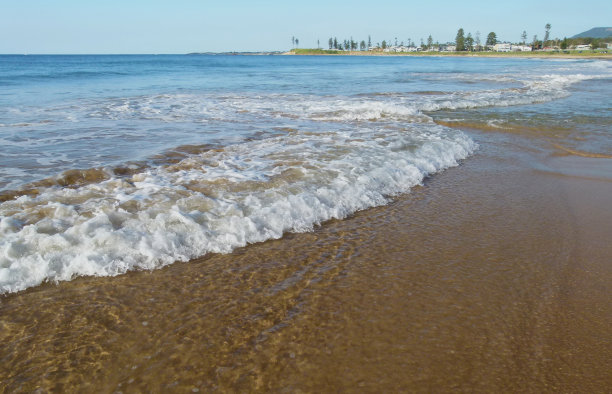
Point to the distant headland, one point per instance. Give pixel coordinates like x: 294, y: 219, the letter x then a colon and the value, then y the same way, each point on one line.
x: 266, y: 53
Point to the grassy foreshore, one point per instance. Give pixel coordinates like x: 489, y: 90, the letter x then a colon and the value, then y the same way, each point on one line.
x: 537, y: 54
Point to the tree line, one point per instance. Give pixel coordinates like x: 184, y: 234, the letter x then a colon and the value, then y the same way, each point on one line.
x: 352, y: 45
x: 462, y: 42
x: 468, y: 43
x: 465, y: 44
x: 349, y: 45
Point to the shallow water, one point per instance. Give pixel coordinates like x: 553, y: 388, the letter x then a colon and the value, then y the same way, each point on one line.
x: 463, y: 242
x: 491, y: 277
x: 116, y: 163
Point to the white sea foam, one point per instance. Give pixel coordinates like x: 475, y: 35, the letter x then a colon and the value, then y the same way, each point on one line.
x: 211, y: 108
x: 183, y: 107
x: 215, y: 201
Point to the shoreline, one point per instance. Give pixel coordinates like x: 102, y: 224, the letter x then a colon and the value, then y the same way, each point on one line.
x: 492, y: 276
x: 524, y: 55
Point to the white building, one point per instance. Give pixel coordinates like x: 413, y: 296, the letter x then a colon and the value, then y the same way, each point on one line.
x: 583, y: 47
x: 521, y: 48
x: 402, y: 48
x: 502, y: 47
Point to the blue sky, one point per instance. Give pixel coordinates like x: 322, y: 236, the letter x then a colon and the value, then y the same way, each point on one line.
x: 181, y: 26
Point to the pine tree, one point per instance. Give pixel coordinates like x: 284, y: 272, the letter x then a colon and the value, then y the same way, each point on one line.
x: 460, y: 41
x: 491, y: 39
x: 369, y: 42
x: 330, y: 43
x: 429, y: 42
x: 524, y: 37
x: 469, y: 42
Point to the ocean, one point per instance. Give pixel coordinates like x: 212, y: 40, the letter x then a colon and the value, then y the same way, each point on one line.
x: 117, y: 163
x: 224, y: 223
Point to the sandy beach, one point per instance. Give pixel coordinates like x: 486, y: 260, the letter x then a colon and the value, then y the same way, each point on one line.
x: 491, y: 277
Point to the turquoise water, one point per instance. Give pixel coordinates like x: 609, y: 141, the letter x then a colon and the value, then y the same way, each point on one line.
x: 179, y: 156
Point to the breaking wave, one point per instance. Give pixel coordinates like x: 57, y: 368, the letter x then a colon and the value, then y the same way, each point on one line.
x: 214, y: 201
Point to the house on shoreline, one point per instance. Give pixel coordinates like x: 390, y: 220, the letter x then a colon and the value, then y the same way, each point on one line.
x: 507, y: 47
x: 447, y: 48
x: 402, y: 48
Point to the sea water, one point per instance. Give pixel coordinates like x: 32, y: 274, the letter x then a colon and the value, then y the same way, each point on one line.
x: 115, y: 163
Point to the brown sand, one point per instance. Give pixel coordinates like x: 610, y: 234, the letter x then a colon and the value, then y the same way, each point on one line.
x: 492, y: 277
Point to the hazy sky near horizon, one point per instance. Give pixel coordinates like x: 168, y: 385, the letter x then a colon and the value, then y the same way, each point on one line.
x: 182, y: 26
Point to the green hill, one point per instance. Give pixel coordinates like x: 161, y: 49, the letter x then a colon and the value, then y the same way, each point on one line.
x: 596, y: 32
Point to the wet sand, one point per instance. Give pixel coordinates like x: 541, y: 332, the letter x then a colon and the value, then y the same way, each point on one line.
x: 493, y: 276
